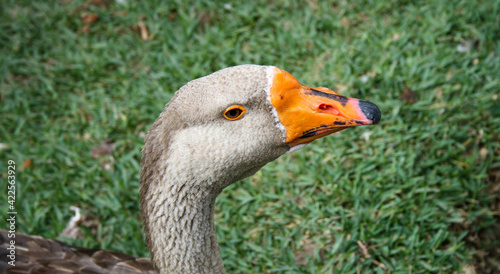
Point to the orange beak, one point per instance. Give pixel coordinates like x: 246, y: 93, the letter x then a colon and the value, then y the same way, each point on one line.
x: 310, y: 113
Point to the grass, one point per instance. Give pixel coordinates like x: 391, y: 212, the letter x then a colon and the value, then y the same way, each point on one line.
x: 417, y: 193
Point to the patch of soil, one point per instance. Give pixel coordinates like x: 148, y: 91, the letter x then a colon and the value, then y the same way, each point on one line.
x: 486, y: 242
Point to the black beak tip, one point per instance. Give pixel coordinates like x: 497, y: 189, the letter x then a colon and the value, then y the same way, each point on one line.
x: 371, y: 111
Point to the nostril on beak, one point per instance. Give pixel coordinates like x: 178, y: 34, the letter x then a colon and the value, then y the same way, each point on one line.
x: 328, y: 108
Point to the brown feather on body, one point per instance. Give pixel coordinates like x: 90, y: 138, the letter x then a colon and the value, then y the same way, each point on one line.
x: 40, y: 255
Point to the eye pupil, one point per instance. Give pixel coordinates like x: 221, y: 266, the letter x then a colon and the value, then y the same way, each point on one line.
x: 233, y: 113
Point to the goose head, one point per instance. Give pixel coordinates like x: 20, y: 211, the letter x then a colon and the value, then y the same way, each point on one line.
x: 217, y: 130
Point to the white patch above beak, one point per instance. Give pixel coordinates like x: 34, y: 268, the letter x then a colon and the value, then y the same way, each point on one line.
x: 270, y: 73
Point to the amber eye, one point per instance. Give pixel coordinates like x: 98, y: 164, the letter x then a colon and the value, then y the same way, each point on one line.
x: 234, y: 112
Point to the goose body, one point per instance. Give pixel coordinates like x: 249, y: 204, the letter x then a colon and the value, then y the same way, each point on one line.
x: 216, y: 130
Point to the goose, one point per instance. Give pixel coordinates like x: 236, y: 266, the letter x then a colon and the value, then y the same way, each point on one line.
x: 216, y: 130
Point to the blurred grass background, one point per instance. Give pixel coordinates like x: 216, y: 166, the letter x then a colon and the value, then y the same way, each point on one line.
x: 81, y: 82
